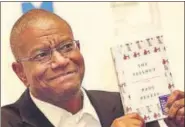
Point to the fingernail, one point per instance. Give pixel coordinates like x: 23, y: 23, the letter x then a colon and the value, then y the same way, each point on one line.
x: 166, y: 110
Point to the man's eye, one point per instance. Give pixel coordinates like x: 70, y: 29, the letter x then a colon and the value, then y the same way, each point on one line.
x: 66, y: 47
x: 41, y: 55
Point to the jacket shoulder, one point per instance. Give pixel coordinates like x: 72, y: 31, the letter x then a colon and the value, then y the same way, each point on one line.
x: 10, y: 116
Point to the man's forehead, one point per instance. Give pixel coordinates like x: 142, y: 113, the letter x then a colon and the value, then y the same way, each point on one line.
x: 45, y: 28
x: 34, y: 36
x: 48, y: 23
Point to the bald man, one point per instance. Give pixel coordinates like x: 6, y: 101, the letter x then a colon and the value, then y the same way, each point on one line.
x: 50, y: 65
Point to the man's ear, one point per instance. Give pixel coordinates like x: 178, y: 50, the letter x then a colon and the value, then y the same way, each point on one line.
x: 19, y: 70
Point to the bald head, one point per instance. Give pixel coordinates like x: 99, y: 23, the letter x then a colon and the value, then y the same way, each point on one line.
x: 34, y: 18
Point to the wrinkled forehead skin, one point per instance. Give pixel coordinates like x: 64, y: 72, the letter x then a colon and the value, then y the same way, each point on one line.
x: 29, y: 26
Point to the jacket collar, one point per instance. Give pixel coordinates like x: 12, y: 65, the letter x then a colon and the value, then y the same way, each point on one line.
x: 29, y: 112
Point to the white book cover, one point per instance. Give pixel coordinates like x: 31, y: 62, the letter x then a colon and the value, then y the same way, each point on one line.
x: 144, y: 76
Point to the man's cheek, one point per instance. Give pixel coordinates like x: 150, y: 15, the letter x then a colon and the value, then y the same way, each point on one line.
x: 39, y: 73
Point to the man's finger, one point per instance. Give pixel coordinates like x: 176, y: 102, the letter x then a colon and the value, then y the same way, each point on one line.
x: 175, y: 107
x: 180, y: 112
x: 176, y: 95
x: 136, y: 116
x: 120, y: 122
x: 139, y: 123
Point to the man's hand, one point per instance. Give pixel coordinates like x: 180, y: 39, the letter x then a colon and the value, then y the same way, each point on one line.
x: 129, y: 120
x: 175, y: 109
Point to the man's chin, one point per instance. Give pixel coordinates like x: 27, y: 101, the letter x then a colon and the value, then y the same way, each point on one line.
x: 67, y: 92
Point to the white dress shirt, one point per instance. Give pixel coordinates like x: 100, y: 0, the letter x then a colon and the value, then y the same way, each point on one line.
x: 86, y: 117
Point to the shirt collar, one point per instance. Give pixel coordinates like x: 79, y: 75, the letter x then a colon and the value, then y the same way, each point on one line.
x: 88, y: 107
x: 50, y: 110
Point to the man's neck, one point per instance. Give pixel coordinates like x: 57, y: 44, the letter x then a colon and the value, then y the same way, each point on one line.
x: 73, y: 104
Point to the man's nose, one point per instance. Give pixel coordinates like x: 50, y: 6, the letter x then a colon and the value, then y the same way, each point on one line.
x: 58, y: 60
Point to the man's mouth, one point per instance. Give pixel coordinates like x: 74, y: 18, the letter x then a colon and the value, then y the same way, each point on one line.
x: 63, y: 75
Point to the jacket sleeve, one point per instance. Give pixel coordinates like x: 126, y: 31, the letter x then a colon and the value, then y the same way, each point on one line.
x: 153, y: 124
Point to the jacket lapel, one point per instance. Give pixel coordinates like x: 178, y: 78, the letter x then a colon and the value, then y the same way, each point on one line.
x: 30, y: 114
x: 106, y: 111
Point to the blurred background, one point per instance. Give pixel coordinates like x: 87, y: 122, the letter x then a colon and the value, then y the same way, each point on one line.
x: 98, y: 26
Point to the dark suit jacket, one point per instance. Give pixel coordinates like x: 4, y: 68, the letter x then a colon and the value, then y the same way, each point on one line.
x: 24, y: 113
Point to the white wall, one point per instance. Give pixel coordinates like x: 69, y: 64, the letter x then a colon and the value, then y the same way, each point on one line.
x: 93, y: 24
x: 172, y: 22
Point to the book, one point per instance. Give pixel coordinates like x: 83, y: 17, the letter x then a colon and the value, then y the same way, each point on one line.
x: 144, y: 77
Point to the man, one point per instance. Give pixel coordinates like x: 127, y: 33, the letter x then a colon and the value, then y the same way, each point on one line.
x: 49, y: 63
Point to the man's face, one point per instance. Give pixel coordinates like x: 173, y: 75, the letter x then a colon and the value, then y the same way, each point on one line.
x: 61, y: 76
